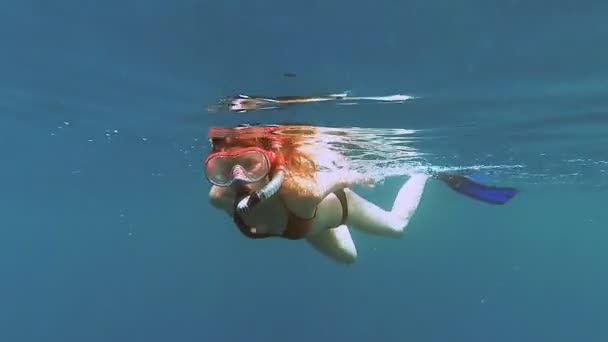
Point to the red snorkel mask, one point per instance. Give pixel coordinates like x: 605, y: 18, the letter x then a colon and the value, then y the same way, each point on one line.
x: 247, y: 164
x: 244, y: 165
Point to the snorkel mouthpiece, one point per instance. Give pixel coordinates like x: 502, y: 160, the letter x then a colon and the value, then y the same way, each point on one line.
x: 263, y: 194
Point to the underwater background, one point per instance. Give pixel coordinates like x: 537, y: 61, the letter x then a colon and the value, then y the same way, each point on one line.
x: 107, y: 234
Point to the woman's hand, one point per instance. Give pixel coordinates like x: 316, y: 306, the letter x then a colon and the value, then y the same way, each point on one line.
x: 367, y: 182
x: 337, y: 180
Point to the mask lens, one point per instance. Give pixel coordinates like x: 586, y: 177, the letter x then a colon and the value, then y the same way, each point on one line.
x: 251, y: 166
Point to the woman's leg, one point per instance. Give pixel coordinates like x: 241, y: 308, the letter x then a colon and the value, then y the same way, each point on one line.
x: 335, y: 243
x: 368, y: 217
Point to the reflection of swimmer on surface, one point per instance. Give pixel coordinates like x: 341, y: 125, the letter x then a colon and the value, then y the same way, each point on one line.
x: 272, y: 188
x: 244, y: 103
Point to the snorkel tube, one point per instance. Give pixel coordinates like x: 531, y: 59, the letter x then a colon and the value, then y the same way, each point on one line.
x: 277, y: 177
x: 269, y: 190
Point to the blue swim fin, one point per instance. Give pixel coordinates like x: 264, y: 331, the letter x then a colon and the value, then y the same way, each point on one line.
x: 486, y: 193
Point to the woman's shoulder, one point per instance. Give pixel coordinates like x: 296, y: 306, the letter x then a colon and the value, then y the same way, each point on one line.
x: 298, y: 196
x: 308, y: 191
x: 299, y: 186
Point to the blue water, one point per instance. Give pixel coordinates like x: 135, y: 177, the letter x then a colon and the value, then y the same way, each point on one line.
x: 107, y: 234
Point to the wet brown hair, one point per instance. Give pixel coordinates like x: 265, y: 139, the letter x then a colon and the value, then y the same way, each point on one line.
x: 300, y: 167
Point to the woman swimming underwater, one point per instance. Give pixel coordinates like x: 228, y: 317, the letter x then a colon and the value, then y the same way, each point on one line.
x: 271, y: 187
x: 245, y: 103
